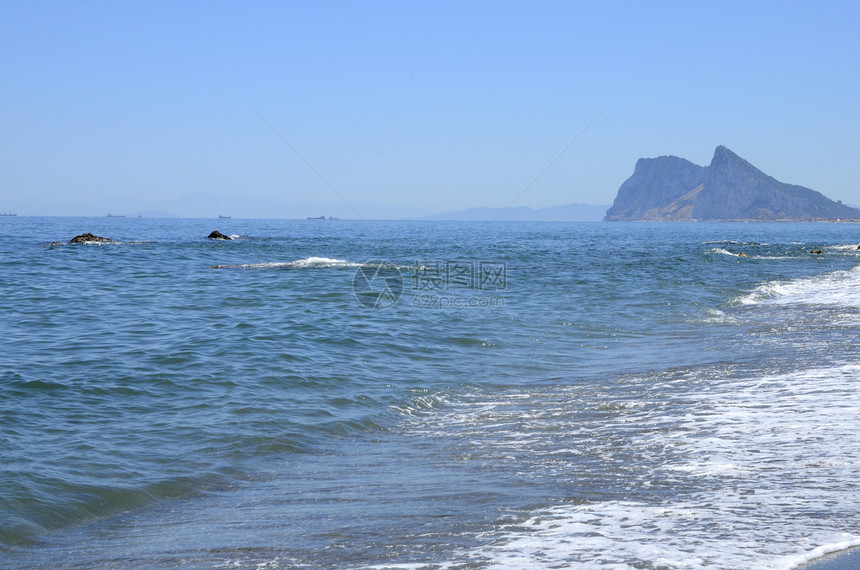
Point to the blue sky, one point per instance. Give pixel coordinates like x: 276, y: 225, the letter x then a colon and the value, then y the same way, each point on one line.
x: 417, y: 106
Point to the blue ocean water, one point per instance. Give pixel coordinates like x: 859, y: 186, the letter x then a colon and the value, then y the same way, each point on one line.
x: 350, y: 394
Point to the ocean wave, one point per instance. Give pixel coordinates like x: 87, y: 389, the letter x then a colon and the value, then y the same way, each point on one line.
x: 845, y: 247
x: 749, y: 463
x: 839, y: 288
x: 308, y: 262
x: 722, y: 251
x: 320, y: 262
x: 588, y: 536
x: 424, y: 403
x: 323, y: 262
x: 732, y: 242
x: 831, y: 548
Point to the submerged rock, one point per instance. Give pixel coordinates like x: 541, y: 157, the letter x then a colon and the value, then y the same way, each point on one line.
x: 816, y: 251
x: 90, y: 238
x: 218, y: 235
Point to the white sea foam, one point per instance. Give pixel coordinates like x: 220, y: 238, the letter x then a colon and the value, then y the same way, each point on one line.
x: 309, y: 262
x: 316, y: 262
x: 723, y: 251
x: 840, y: 288
x: 323, y: 262
x: 732, y: 242
x: 823, y: 550
x: 853, y: 247
x: 628, y: 535
x: 751, y: 467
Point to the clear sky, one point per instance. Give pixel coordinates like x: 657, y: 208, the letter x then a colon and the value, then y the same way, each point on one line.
x: 418, y: 106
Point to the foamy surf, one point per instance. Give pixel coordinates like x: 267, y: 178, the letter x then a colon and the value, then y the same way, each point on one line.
x: 743, y: 254
x: 591, y: 537
x: 752, y: 465
x: 732, y: 242
x: 837, y: 288
x: 722, y: 251
x: 309, y: 262
x: 850, y: 247
x: 840, y: 546
x: 317, y: 263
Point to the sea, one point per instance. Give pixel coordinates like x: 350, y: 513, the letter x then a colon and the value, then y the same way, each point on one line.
x: 428, y: 395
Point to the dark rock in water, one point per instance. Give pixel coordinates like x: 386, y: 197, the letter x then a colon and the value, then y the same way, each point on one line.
x: 669, y: 188
x: 218, y: 235
x: 816, y: 251
x: 90, y: 238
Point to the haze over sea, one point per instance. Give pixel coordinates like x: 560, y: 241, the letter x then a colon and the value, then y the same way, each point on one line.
x: 342, y: 394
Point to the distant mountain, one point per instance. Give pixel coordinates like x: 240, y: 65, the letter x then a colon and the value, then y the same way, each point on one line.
x: 669, y: 188
x: 568, y: 213
x: 208, y: 205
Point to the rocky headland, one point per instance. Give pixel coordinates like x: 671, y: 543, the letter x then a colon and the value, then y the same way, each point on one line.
x: 669, y: 188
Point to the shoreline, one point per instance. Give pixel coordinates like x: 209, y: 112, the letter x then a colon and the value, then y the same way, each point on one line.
x: 845, y: 559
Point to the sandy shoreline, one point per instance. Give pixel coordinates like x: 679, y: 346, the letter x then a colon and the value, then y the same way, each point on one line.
x: 843, y: 560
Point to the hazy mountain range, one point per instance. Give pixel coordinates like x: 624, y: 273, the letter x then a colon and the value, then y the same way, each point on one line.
x: 568, y: 213
x: 202, y: 205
